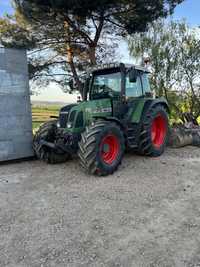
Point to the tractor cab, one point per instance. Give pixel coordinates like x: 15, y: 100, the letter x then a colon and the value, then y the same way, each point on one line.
x: 115, y: 87
x: 122, y: 81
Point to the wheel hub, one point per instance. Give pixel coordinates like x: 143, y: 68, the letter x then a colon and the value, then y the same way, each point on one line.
x: 158, y: 131
x: 106, y: 148
x: 109, y: 148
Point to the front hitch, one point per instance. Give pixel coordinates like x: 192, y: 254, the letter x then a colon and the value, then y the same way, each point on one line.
x: 68, y: 143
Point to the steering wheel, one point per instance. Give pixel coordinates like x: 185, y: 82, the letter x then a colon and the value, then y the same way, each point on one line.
x: 106, y: 90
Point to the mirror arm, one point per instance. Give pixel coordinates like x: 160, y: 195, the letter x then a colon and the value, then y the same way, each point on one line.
x: 123, y: 81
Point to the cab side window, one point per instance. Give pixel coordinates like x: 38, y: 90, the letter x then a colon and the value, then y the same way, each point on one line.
x: 146, y: 84
x: 134, y: 89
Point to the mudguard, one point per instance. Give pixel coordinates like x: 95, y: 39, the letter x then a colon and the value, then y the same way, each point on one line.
x: 157, y: 101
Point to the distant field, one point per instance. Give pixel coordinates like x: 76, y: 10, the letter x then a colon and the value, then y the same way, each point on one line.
x: 41, y: 114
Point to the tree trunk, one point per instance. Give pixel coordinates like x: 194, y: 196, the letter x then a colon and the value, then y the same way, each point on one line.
x: 78, y: 83
x: 92, y: 54
x: 181, y: 136
x: 93, y: 45
x: 70, y: 60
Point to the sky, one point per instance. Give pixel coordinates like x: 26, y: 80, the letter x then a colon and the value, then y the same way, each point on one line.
x: 189, y: 9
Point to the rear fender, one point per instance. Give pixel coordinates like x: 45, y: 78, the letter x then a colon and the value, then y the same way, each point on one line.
x: 153, y: 102
x: 146, y: 104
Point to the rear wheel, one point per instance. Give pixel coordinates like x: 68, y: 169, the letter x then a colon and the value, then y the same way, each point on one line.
x: 101, y: 148
x: 154, y: 134
x: 47, y: 132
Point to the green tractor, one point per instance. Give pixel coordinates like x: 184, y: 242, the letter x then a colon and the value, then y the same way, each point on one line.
x: 118, y: 113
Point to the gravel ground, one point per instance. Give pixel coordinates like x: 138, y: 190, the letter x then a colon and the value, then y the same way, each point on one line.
x: 146, y: 214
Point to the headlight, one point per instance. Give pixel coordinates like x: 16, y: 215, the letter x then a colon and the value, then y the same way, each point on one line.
x: 69, y: 125
x: 58, y: 124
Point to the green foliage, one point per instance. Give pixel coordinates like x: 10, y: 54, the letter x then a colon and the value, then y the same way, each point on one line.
x: 14, y: 35
x: 131, y: 16
x: 65, y: 37
x: 174, y: 52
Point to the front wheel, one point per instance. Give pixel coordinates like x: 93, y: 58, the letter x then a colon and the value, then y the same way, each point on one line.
x: 101, y: 148
x: 154, y: 133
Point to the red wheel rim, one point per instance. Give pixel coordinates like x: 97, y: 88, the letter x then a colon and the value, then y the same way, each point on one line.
x: 158, y: 131
x: 109, y: 148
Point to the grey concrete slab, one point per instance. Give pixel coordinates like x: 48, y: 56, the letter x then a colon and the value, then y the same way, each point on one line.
x: 15, y: 107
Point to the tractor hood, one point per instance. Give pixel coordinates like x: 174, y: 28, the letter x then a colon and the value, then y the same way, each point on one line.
x: 85, y: 112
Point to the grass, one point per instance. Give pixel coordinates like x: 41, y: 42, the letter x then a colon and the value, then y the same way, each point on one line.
x: 41, y: 114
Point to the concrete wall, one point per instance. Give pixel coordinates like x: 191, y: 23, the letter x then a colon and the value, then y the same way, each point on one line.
x: 15, y: 107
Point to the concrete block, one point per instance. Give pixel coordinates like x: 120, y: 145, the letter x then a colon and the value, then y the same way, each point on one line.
x: 16, y: 61
x: 15, y: 107
x: 6, y: 149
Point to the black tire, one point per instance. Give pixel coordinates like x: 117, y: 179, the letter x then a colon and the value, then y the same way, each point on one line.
x: 47, y: 132
x: 148, y: 145
x: 92, y: 157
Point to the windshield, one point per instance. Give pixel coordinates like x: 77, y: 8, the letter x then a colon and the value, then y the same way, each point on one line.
x: 106, y: 85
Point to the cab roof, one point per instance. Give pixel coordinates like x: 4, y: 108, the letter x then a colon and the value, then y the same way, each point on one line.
x: 117, y: 65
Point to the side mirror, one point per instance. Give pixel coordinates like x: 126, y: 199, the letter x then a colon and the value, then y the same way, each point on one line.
x: 133, y: 74
x: 86, y: 88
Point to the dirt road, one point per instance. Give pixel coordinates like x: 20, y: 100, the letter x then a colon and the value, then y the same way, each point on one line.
x: 146, y: 214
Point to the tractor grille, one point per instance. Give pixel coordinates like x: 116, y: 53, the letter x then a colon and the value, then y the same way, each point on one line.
x: 72, y: 116
x: 63, y: 119
x: 64, y: 113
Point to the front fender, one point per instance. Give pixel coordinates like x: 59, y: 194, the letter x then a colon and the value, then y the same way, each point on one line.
x: 112, y: 119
